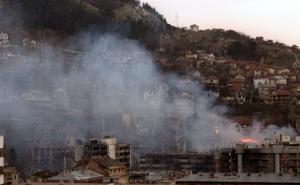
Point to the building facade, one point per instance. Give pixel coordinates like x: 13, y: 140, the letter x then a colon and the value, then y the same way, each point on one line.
x: 109, y: 147
x: 194, y: 162
x: 1, y: 159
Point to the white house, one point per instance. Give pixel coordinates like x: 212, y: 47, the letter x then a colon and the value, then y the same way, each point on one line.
x: 280, y: 80
x: 260, y: 81
x: 194, y: 27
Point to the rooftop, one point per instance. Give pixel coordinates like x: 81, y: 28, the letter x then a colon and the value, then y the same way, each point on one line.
x: 76, y: 176
x: 238, y: 178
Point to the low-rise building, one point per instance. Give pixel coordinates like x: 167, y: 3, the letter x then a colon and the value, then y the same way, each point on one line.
x: 260, y: 81
x: 111, y: 171
x: 278, y: 97
x: 194, y: 27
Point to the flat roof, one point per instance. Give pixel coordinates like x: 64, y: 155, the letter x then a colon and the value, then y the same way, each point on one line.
x: 240, y: 178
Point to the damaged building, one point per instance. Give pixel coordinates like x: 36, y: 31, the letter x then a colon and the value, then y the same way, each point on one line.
x: 108, y: 146
x: 194, y: 162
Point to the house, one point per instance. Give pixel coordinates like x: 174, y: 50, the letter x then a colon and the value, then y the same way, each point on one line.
x: 296, y: 88
x: 259, y: 81
x: 278, y: 97
x: 111, y: 171
x: 280, y: 80
x: 235, y: 85
x: 211, y: 82
x: 3, y: 38
x: 270, y: 70
x: 240, y: 77
x: 240, y: 97
x: 284, y: 70
x: 296, y: 64
x: 194, y: 27
x: 265, y: 90
x: 259, y: 39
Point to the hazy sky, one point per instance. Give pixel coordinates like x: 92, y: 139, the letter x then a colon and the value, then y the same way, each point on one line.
x: 278, y: 20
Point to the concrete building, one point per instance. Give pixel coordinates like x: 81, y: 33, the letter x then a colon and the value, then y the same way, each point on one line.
x: 195, y: 162
x: 1, y: 159
x: 238, y: 179
x: 108, y: 146
x: 49, y: 157
x: 280, y: 155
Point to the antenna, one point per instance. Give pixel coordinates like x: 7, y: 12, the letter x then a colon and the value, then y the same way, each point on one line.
x: 177, y: 20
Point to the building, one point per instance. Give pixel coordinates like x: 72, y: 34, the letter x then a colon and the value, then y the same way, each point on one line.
x: 108, y: 146
x: 11, y: 176
x: 260, y: 81
x: 282, y: 97
x: 1, y: 159
x: 194, y: 27
x: 104, y: 169
x: 280, y: 80
x: 238, y: 179
x: 195, y: 162
x: 49, y: 157
x: 281, y: 155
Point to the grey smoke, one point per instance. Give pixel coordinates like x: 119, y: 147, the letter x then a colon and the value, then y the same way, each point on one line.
x: 112, y: 88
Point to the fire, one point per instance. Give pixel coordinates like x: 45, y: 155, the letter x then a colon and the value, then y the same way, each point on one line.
x: 249, y: 140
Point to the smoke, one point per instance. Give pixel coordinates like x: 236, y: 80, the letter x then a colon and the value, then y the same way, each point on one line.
x: 113, y: 88
x: 108, y: 86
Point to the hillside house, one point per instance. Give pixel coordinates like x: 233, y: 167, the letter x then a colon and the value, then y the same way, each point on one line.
x: 265, y: 90
x: 194, y: 27
x: 280, y: 80
x: 240, y: 77
x: 280, y: 96
x: 284, y: 70
x: 211, y: 82
x: 240, y: 97
x: 260, y: 81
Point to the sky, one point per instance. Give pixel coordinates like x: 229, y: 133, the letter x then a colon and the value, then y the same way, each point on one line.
x: 278, y: 20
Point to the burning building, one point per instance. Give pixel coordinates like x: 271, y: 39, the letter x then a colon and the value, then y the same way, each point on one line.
x: 279, y: 155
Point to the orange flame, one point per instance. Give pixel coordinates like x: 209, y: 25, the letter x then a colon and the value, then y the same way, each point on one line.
x: 249, y: 140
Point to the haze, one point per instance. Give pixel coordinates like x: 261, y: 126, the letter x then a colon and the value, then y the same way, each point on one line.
x: 278, y: 20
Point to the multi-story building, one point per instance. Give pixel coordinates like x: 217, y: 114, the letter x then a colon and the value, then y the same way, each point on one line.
x: 195, y: 162
x: 108, y: 146
x: 49, y: 157
x: 279, y: 156
x: 1, y: 159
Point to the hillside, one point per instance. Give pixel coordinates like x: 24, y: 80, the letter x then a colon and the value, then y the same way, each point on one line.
x: 140, y: 22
